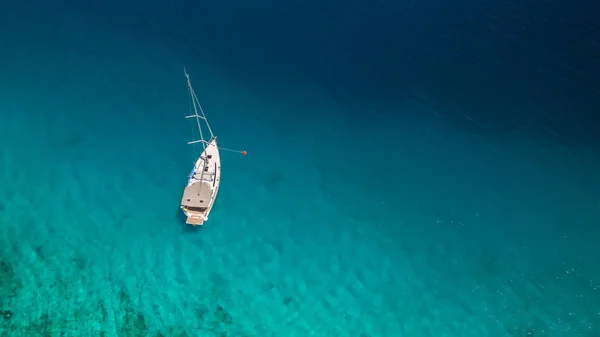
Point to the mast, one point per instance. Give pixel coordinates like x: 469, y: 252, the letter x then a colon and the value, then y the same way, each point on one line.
x: 198, y: 117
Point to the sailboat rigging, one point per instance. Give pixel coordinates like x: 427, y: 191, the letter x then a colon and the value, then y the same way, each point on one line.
x: 205, y: 178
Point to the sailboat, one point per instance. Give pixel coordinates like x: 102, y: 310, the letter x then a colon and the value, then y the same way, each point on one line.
x: 203, y: 181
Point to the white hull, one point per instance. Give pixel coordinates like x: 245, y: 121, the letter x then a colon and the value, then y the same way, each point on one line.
x: 203, y: 185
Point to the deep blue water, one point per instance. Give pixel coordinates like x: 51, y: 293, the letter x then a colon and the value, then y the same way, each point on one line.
x: 414, y: 169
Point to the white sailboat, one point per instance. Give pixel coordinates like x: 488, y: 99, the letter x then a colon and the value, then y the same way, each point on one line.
x: 203, y: 182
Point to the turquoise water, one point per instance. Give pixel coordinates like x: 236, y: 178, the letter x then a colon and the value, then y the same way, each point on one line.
x: 341, y: 220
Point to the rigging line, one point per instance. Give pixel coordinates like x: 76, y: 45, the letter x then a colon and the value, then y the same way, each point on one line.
x: 193, y: 94
x: 226, y: 149
x: 191, y: 126
x: 195, y: 102
x: 202, y: 111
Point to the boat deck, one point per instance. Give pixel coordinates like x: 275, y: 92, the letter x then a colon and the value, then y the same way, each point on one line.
x: 198, y: 194
x: 194, y: 221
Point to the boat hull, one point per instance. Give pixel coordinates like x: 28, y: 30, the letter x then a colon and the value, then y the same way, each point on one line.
x: 202, y: 187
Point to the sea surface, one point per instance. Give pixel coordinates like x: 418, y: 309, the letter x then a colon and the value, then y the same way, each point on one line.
x: 414, y: 168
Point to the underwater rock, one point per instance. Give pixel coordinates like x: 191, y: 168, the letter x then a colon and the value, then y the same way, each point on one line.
x: 80, y: 262
x: 172, y: 332
x: 133, y: 323
x: 201, y: 314
x: 10, y: 285
x: 39, y: 252
x: 41, y: 328
x: 223, y: 316
x: 6, y: 271
x: 64, y: 286
x: 100, y: 307
x: 218, y: 285
x: 287, y: 300
x: 7, y: 314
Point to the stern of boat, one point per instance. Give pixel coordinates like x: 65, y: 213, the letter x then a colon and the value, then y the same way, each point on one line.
x: 194, y: 218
